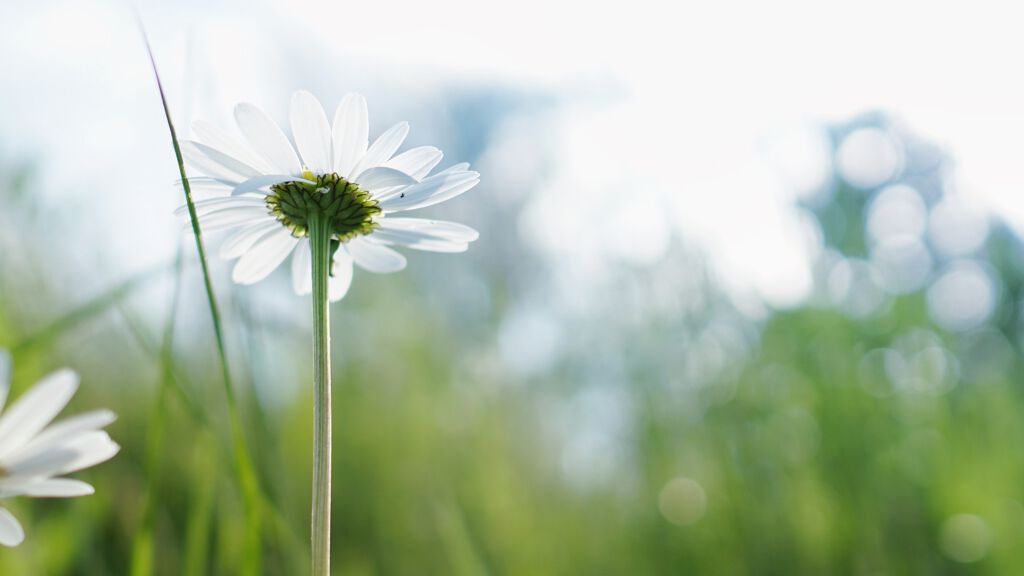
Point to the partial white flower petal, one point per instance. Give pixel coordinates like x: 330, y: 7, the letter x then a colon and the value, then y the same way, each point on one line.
x: 90, y: 449
x: 262, y: 181
x: 341, y: 275
x: 205, y: 188
x: 66, y: 430
x: 59, y: 488
x: 195, y: 158
x: 432, y: 190
x: 312, y: 133
x: 437, y: 228
x: 216, y: 138
x: 382, y: 194
x: 351, y: 133
x: 5, y: 377
x: 375, y: 257
x: 417, y: 162
x: 460, y: 167
x: 231, y: 163
x: 302, y: 268
x: 266, y: 137
x: 433, y: 235
x: 35, y: 409
x: 46, y: 463
x: 84, y: 450
x: 224, y: 219
x: 211, y: 205
x: 383, y: 148
x: 382, y: 178
x: 241, y: 240
x: 419, y: 241
x: 264, y: 257
x: 11, y: 533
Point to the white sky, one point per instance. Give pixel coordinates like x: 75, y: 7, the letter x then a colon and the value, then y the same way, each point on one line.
x: 706, y: 85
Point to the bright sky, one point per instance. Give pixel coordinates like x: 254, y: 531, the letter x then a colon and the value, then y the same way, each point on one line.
x: 709, y: 90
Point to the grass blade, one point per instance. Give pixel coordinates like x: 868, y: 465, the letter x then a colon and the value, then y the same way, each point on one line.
x: 243, y: 465
x: 90, y: 309
x: 142, y: 549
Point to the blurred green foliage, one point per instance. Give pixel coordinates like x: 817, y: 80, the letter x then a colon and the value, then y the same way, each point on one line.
x: 664, y: 439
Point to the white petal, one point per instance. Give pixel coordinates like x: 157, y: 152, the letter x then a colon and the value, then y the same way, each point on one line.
x: 255, y: 183
x: 381, y: 178
x: 264, y: 257
x: 201, y: 162
x: 302, y: 268
x: 418, y: 241
x: 432, y: 190
x: 90, y: 449
x: 216, y: 138
x: 266, y: 137
x: 229, y: 162
x: 35, y: 409
x: 375, y: 257
x: 351, y: 133
x: 240, y: 241
x: 5, y: 377
x: 65, y: 431
x: 204, y: 187
x: 312, y: 133
x: 417, y: 162
x: 212, y: 205
x: 460, y: 167
x: 11, y: 533
x: 86, y: 449
x: 431, y: 235
x: 236, y: 216
x: 341, y: 275
x: 383, y: 148
x: 59, y: 488
x: 436, y: 228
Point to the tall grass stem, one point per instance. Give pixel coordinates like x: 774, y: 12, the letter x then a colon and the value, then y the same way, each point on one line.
x: 248, y: 484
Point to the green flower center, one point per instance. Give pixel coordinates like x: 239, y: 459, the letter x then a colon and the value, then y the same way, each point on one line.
x: 348, y: 209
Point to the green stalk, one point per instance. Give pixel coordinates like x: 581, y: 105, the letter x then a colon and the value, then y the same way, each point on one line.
x: 86, y: 311
x: 142, y: 550
x: 243, y: 465
x: 320, y: 246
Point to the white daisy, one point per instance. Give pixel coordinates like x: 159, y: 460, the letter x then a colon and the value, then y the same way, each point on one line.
x: 34, y: 454
x: 264, y: 190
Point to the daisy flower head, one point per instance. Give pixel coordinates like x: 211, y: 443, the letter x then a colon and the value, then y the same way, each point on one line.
x: 35, y: 454
x: 267, y: 192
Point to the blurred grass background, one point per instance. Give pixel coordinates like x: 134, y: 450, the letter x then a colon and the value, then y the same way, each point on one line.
x: 487, y: 424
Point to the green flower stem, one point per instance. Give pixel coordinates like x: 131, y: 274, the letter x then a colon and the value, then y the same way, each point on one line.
x: 320, y: 246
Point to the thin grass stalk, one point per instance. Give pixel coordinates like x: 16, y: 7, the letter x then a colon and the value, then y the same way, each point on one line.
x: 282, y: 528
x: 142, y: 549
x: 243, y: 465
x: 202, y: 501
x: 90, y: 309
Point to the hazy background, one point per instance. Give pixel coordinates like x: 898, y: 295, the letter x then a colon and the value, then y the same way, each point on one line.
x: 746, y: 298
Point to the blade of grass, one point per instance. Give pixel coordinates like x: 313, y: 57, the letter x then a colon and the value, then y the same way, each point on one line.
x: 178, y: 385
x: 197, y: 531
x: 86, y: 311
x: 244, y: 468
x: 142, y: 548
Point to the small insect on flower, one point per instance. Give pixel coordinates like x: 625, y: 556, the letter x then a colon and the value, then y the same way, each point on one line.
x: 34, y: 453
x: 265, y: 193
